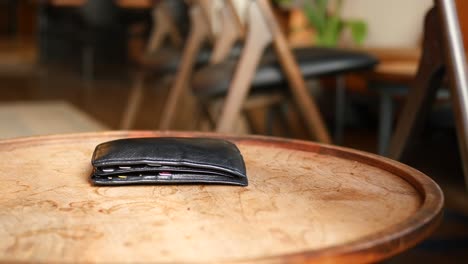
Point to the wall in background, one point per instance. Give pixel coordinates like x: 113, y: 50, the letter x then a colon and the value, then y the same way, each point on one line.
x: 392, y: 24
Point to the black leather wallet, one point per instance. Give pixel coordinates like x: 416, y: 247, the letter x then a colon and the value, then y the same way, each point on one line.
x: 168, y: 160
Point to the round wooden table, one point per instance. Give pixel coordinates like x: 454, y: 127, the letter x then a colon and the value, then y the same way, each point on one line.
x: 305, y: 201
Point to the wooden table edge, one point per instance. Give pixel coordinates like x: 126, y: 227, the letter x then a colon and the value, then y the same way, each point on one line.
x: 370, y: 248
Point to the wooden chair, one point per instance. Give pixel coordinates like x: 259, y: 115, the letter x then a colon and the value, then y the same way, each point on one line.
x: 256, y: 70
x: 193, y: 54
x: 164, y: 28
x: 233, y: 29
x: 202, y: 31
x: 443, y: 54
x: 229, y: 33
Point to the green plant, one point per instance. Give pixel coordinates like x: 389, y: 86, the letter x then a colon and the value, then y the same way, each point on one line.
x: 330, y: 25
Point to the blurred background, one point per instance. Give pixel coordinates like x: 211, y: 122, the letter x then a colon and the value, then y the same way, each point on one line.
x: 76, y: 66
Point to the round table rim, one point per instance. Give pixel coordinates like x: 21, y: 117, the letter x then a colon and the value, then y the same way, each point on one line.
x: 370, y: 248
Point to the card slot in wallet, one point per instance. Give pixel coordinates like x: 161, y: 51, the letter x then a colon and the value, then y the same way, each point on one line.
x: 113, y: 170
x: 162, y: 177
x: 168, y: 160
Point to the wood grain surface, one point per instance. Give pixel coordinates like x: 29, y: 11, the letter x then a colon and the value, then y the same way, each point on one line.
x: 305, y: 201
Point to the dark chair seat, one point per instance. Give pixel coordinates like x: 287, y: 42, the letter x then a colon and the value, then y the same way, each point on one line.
x: 167, y: 59
x: 214, y: 80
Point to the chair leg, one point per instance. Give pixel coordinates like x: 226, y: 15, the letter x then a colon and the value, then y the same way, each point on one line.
x: 205, y: 109
x: 340, y: 108
x: 252, y: 126
x: 164, y: 27
x: 133, y: 103
x: 293, y: 121
x: 423, y: 91
x: 305, y: 102
x: 283, y: 117
x: 276, y: 114
x: 385, y: 122
x: 196, y: 37
x: 256, y: 42
x: 270, y: 119
x: 226, y: 40
x: 222, y: 46
x: 158, y: 33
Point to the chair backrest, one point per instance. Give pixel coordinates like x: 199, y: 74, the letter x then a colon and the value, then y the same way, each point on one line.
x: 99, y: 13
x: 443, y: 54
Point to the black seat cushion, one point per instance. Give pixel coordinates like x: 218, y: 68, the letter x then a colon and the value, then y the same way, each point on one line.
x: 214, y: 80
x: 167, y: 59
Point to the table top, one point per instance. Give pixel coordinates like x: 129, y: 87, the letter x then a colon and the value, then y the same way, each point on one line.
x: 396, y: 65
x: 305, y: 201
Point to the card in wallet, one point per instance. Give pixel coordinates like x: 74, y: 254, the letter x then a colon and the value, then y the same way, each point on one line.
x: 168, y: 161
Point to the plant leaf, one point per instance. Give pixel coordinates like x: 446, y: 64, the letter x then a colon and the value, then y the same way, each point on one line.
x: 322, y: 11
x: 332, y: 31
x: 316, y: 19
x: 358, y: 30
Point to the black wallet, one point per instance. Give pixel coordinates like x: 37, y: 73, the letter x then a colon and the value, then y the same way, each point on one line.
x: 168, y: 160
